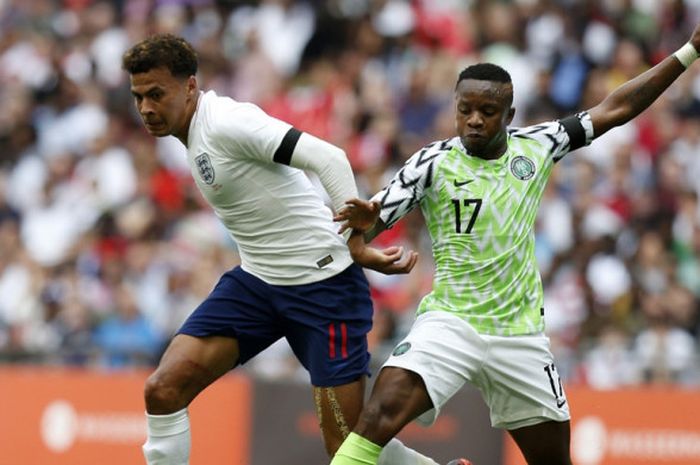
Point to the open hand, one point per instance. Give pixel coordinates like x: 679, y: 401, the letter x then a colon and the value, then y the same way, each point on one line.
x: 391, y: 260
x: 358, y: 214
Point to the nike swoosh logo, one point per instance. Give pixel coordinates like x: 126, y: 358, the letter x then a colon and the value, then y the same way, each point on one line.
x: 560, y: 403
x: 462, y: 183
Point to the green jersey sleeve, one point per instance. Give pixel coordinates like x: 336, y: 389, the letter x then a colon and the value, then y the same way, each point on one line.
x: 412, y: 181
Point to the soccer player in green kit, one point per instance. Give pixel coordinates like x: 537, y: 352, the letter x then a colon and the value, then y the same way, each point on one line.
x: 483, y: 322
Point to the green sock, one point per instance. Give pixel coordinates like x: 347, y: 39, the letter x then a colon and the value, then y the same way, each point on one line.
x: 356, y: 450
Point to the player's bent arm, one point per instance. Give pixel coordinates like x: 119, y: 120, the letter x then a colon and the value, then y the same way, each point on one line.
x: 391, y: 260
x: 330, y: 164
x: 633, y: 97
x: 374, y: 231
x: 359, y: 215
x: 400, y: 196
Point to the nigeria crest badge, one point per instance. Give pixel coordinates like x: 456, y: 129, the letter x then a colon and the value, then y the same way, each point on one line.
x: 401, y: 349
x: 522, y: 168
x: 205, y: 168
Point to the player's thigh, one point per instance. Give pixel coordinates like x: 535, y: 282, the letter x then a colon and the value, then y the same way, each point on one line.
x: 398, y: 397
x: 522, y: 385
x: 326, y: 324
x: 337, y: 409
x: 233, y: 324
x: 544, y: 443
x: 444, y: 351
x: 239, y: 307
x: 189, y: 365
x: 198, y: 360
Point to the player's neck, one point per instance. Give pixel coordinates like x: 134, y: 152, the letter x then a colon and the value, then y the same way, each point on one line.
x: 191, y: 109
x: 492, y: 155
x: 495, y: 149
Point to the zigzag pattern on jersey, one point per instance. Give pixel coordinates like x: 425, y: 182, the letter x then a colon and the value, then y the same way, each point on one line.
x: 414, y: 178
x: 489, y: 277
x: 554, y: 132
x: 546, y: 132
x: 484, y: 297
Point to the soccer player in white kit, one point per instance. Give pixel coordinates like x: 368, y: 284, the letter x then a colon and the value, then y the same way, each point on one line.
x: 483, y: 322
x: 297, y: 278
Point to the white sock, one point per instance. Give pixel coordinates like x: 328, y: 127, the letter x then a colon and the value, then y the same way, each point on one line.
x: 168, y: 440
x: 396, y: 453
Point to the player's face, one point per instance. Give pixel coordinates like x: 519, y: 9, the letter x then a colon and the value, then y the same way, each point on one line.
x: 163, y: 101
x: 482, y: 114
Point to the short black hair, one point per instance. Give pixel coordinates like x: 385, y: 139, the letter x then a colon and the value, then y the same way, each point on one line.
x: 161, y: 50
x: 485, y: 72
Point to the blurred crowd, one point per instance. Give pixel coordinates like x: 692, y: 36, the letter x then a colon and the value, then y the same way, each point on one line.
x: 106, y: 246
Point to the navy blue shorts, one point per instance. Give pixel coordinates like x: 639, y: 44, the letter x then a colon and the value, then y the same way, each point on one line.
x: 326, y: 323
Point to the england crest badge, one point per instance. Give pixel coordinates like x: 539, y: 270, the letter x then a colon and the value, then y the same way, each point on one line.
x: 205, y: 168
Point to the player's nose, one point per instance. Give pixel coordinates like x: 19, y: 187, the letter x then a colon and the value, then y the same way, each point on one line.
x: 475, y: 120
x: 146, y: 108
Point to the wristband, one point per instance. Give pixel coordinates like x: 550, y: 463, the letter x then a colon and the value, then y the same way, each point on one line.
x: 687, y: 54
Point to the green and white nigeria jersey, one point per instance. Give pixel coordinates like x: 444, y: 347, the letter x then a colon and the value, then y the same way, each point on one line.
x: 481, y: 215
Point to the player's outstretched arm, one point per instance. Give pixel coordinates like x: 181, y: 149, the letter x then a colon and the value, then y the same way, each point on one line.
x: 633, y: 97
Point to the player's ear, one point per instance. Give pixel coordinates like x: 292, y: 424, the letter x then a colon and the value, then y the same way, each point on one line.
x: 510, y: 115
x: 191, y: 86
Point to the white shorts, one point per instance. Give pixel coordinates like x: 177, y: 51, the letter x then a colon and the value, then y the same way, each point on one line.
x: 515, y: 374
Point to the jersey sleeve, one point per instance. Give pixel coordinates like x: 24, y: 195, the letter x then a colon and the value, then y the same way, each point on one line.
x: 562, y: 136
x: 256, y: 135
x: 408, y: 186
x: 327, y: 161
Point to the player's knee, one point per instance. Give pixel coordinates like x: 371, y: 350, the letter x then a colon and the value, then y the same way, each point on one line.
x: 162, y: 397
x: 383, y: 414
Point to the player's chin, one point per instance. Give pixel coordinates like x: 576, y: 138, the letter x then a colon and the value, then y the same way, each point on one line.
x: 474, y: 145
x: 157, y: 130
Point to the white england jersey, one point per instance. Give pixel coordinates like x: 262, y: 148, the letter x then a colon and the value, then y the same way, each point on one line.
x: 284, y: 231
